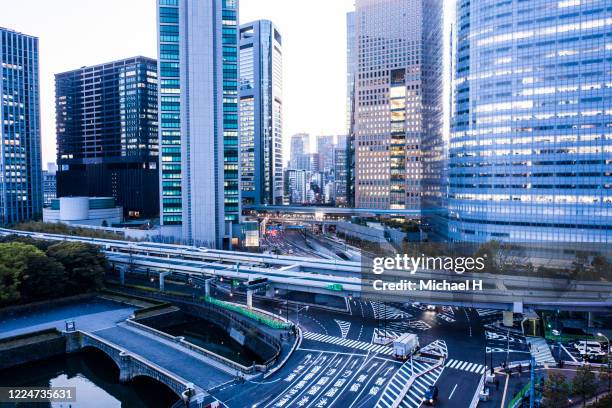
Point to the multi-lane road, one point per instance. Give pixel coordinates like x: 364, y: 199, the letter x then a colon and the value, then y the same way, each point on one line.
x: 339, y: 363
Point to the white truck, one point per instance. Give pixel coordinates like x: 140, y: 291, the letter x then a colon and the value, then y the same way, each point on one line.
x: 405, y: 345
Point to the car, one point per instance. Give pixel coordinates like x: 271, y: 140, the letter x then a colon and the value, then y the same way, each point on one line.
x: 432, y: 308
x: 431, y: 395
x: 556, y: 332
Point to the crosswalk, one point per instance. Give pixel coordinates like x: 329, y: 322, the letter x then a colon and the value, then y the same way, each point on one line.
x: 414, y: 396
x: 436, y: 348
x: 356, y: 344
x: 487, y: 312
x: 344, y: 327
x: 466, y: 366
x: 541, y: 351
x: 387, y: 312
x: 405, y: 326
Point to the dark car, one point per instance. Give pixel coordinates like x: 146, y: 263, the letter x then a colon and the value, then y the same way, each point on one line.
x: 431, y: 395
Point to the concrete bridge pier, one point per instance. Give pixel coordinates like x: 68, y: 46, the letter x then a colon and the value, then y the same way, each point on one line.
x: 162, y: 283
x: 125, y: 371
x: 250, y: 298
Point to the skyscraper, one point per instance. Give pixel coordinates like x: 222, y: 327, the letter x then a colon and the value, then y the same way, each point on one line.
x: 531, y: 141
x: 396, y: 124
x: 261, y: 113
x: 351, y: 68
x: 300, y: 147
x: 325, y: 149
x: 21, y: 169
x: 106, y: 126
x: 198, y: 108
x: 340, y: 169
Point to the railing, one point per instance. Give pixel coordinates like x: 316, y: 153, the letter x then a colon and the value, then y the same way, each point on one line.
x: 259, y: 317
x: 202, y: 351
x: 479, y: 388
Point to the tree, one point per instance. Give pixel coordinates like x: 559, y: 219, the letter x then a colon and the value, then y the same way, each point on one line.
x: 14, y: 258
x: 602, y: 267
x: 85, y: 265
x: 556, y: 391
x: 43, y: 278
x: 10, y: 280
x: 584, y: 383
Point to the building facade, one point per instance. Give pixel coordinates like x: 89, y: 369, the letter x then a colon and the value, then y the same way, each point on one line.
x: 20, y: 160
x: 340, y: 173
x: 531, y: 140
x: 325, y: 149
x: 397, y: 98
x: 90, y: 211
x: 106, y: 127
x: 300, y: 148
x: 261, y: 113
x: 198, y: 115
x: 351, y: 68
x: 49, y: 184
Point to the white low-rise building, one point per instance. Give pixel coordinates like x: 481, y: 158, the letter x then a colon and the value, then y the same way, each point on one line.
x: 96, y: 211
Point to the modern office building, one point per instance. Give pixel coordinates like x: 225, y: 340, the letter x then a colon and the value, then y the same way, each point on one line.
x: 49, y: 185
x: 325, y: 149
x: 261, y: 113
x: 296, y: 185
x: 300, y: 147
x: 531, y: 140
x: 106, y: 126
x: 397, y: 115
x: 351, y: 68
x: 198, y: 117
x: 340, y: 172
x: 21, y: 165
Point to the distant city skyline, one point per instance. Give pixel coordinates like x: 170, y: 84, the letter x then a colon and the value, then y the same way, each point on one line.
x: 70, y: 37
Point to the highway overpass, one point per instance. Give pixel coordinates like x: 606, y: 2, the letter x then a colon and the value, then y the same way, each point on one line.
x: 344, y: 278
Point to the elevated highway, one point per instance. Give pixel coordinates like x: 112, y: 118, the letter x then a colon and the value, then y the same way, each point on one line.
x: 345, y: 278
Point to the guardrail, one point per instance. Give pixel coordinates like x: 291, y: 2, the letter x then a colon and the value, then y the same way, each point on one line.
x: 479, y: 388
x: 230, y: 364
x: 142, y: 366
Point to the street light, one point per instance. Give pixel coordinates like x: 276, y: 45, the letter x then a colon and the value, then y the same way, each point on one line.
x: 608, y: 354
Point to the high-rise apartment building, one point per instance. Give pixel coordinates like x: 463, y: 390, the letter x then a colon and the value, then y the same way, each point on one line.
x: 106, y: 126
x: 397, y: 103
x: 21, y: 164
x: 261, y: 113
x: 198, y: 111
x: 531, y: 140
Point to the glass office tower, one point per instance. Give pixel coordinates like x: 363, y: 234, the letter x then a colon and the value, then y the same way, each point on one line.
x: 531, y: 140
x: 20, y: 159
x: 198, y: 70
x: 106, y: 127
x: 397, y: 106
x: 261, y: 113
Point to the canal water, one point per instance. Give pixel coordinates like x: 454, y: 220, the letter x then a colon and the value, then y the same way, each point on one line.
x: 208, y: 335
x: 96, y: 379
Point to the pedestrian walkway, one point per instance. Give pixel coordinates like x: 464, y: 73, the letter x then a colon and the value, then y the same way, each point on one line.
x: 414, y: 396
x: 541, y: 351
x: 466, y: 366
x: 339, y: 341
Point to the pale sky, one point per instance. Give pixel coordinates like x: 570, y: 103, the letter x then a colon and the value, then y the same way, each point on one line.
x: 75, y: 33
